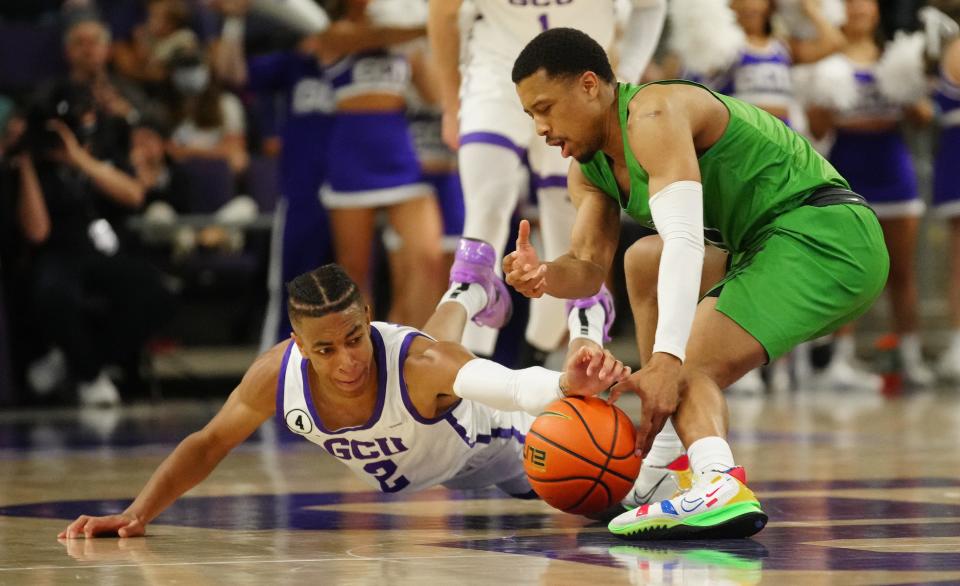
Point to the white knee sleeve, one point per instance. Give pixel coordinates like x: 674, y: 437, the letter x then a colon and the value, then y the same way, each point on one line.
x: 548, y: 319
x: 491, y: 177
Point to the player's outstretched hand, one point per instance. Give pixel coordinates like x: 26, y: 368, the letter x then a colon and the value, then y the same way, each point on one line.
x: 123, y: 525
x: 658, y: 385
x: 591, y: 370
x: 522, y: 268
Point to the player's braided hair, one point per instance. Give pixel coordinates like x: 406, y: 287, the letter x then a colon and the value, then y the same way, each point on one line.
x: 325, y: 290
x: 562, y: 52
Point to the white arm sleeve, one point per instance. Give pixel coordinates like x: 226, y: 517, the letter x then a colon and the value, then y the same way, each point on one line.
x: 497, y: 386
x: 678, y: 214
x: 640, y: 38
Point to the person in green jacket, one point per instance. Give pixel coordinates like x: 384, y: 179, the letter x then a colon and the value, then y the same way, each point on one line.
x: 804, y: 253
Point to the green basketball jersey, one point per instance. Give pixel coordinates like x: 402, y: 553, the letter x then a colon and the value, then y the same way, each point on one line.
x: 757, y: 170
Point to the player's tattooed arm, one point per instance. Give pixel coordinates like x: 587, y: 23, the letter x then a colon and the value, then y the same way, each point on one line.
x: 247, y: 407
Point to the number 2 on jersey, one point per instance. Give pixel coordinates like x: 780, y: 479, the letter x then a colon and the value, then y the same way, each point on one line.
x: 543, y: 21
x: 382, y: 471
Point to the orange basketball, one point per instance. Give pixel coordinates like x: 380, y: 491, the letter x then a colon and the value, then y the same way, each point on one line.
x: 579, y: 455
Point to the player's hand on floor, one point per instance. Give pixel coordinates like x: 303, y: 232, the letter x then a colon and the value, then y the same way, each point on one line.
x: 123, y: 525
x: 658, y: 386
x: 591, y: 370
x: 522, y: 268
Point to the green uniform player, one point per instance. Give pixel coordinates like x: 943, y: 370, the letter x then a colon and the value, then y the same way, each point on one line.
x: 804, y: 254
x: 786, y: 216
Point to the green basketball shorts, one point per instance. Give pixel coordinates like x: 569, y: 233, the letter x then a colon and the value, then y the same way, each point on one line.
x: 814, y: 269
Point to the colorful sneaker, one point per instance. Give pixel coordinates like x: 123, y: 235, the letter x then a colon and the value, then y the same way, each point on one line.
x: 602, y: 297
x: 474, y: 262
x: 719, y: 506
x: 657, y: 483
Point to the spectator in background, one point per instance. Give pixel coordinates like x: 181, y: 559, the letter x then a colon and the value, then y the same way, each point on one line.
x: 146, y: 56
x: 14, y: 259
x: 92, y: 301
x: 154, y: 170
x: 208, y: 121
x: 870, y: 152
x: 119, y: 103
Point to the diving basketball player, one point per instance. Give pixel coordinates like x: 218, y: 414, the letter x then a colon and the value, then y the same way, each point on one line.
x: 403, y: 409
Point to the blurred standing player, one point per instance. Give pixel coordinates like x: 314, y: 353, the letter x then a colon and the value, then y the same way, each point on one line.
x: 482, y: 118
x: 301, y: 231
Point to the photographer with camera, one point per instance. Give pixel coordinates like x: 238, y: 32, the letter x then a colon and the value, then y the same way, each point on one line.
x: 92, y: 301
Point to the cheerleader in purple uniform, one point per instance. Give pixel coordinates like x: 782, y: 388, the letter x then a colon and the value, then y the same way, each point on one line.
x: 760, y: 72
x: 372, y: 166
x: 870, y: 152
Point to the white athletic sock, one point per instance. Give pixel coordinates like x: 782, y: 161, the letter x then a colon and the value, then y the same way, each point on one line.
x: 709, y: 454
x: 910, y: 352
x: 666, y: 447
x: 844, y: 348
x: 588, y: 323
x: 470, y: 295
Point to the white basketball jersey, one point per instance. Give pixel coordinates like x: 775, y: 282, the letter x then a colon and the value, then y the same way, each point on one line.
x: 504, y: 27
x: 397, y: 449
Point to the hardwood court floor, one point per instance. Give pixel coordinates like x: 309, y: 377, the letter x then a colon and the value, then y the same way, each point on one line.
x: 860, y: 490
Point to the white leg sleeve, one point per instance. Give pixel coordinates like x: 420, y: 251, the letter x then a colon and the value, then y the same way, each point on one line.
x: 548, y: 319
x: 497, y: 386
x: 490, y: 176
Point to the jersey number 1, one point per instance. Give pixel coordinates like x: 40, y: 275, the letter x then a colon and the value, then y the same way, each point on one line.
x: 543, y: 21
x: 382, y: 471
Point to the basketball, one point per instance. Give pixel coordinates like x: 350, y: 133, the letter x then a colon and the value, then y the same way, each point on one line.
x: 579, y: 455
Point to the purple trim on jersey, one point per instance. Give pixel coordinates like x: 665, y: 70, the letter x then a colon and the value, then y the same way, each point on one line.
x: 280, y: 384
x: 748, y: 59
x: 452, y: 420
x: 405, y: 395
x: 864, y: 77
x: 503, y: 433
x: 546, y: 181
x: 492, y: 138
x: 482, y: 438
x: 380, y: 353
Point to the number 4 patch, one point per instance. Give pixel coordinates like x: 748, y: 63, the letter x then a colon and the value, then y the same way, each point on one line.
x: 299, y: 422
